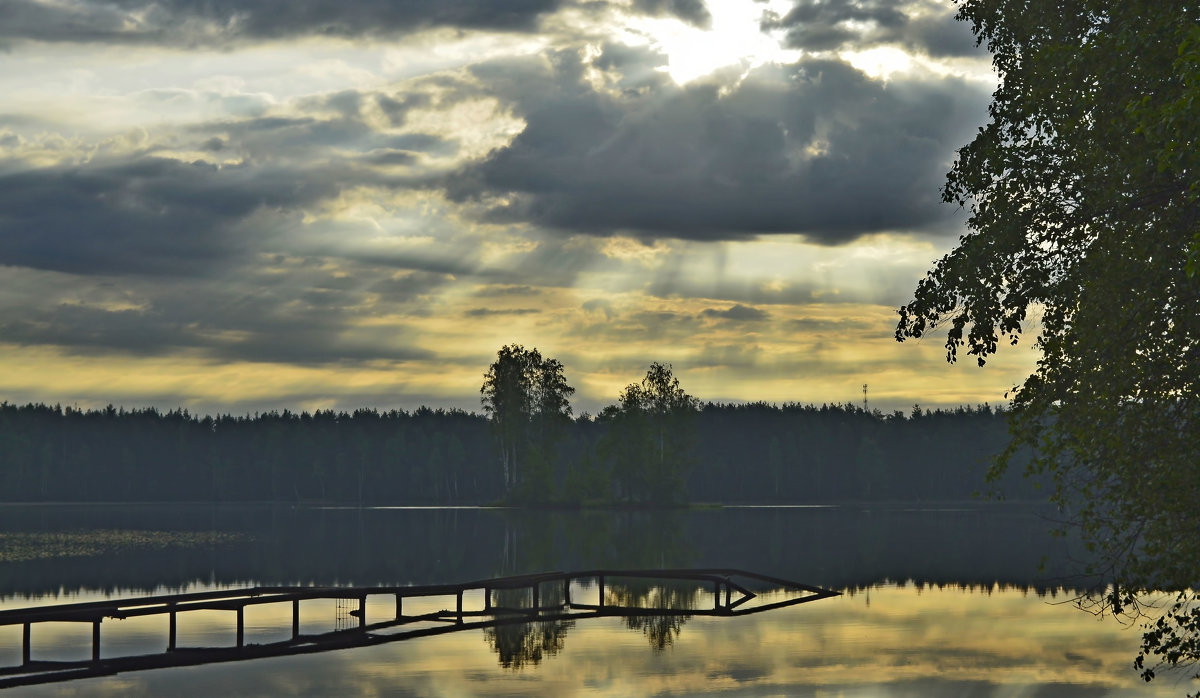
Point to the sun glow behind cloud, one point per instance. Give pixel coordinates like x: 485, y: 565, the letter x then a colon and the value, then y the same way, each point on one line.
x: 734, y: 40
x: 738, y: 40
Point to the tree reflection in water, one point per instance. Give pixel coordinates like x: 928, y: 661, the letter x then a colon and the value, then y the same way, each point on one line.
x: 660, y: 630
x: 519, y: 645
x: 524, y: 644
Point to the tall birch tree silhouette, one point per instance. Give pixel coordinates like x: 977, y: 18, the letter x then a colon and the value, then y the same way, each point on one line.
x: 527, y: 400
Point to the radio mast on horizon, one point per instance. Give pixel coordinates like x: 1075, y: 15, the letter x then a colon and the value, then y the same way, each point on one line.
x: 865, y: 398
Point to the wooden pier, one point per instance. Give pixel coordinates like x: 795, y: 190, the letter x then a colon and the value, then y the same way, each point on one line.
x: 548, y: 594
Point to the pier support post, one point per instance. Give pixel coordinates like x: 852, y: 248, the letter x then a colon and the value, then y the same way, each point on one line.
x: 362, y: 612
x: 295, y: 618
x: 601, y: 590
x: 25, y: 649
x: 96, y: 640
x: 399, y: 606
x: 716, y: 596
x: 172, y: 630
x: 241, y: 626
x: 460, y: 595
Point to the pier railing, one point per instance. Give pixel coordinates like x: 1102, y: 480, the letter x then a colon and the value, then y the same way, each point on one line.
x: 548, y: 594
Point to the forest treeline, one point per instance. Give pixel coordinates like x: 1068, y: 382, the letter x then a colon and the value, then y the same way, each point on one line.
x: 760, y: 453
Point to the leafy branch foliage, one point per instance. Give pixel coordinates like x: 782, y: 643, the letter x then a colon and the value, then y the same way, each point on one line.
x: 1083, y: 194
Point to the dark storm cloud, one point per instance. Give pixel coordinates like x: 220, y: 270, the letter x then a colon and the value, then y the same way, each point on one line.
x: 693, y: 12
x: 311, y: 340
x: 500, y: 291
x: 599, y: 305
x: 391, y: 157
x: 816, y: 148
x: 144, y: 215
x: 187, y: 22
x: 303, y: 137
x: 85, y: 329
x: 736, y: 313
x: 796, y: 292
x: 201, y: 245
x: 306, y: 317
x: 451, y: 261
x: 741, y: 356
x: 920, y: 25
x: 409, y: 285
x: 942, y: 36
x: 141, y: 213
x: 182, y: 23
x: 640, y: 326
x: 489, y: 312
x: 350, y: 105
x: 397, y: 107
x: 809, y: 325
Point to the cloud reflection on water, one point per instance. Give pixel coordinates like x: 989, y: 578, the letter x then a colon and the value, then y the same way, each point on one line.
x: 886, y: 640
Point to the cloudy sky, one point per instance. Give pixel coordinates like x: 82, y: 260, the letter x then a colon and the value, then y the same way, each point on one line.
x: 241, y: 205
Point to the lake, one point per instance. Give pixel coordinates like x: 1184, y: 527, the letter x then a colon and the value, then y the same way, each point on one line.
x: 937, y: 600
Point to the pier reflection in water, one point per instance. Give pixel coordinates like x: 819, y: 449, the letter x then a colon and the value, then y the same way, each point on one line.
x: 521, y: 616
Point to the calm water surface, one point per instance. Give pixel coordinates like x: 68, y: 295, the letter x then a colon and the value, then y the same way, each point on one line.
x: 945, y: 600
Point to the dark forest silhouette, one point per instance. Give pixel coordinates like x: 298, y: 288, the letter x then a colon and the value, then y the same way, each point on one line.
x: 739, y: 453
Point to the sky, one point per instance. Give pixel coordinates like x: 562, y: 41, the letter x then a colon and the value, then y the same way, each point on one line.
x: 245, y: 205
